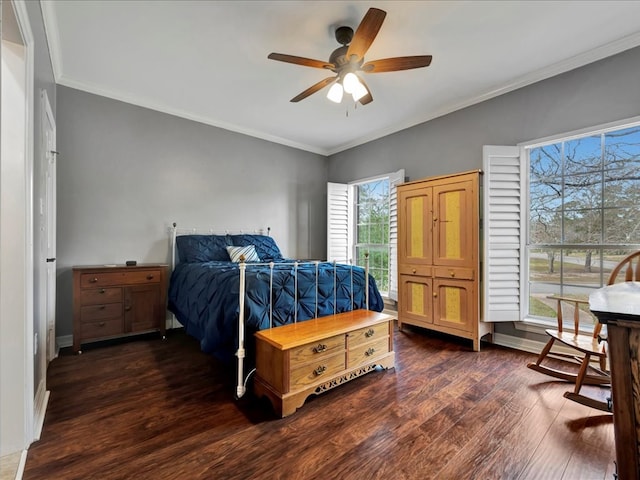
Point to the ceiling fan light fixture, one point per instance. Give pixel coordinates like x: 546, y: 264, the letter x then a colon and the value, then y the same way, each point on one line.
x: 359, y: 92
x: 351, y: 82
x: 335, y: 93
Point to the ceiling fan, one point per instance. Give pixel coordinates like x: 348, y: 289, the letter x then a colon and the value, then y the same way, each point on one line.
x: 348, y: 60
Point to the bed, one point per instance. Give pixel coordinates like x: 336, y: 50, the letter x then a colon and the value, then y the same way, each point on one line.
x: 218, y: 279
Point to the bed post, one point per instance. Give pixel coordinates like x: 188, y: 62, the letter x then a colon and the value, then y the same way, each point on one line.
x: 174, y: 231
x: 241, y: 389
x: 366, y: 280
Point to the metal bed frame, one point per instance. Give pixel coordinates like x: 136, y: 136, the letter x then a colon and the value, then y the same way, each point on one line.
x: 242, y: 379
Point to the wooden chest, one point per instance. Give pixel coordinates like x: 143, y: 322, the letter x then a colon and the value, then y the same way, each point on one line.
x: 310, y: 357
x: 116, y: 301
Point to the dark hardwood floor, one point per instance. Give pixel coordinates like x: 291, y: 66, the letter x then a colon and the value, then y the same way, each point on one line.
x: 153, y: 409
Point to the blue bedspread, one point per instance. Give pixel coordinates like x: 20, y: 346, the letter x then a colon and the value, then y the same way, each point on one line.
x: 204, y: 298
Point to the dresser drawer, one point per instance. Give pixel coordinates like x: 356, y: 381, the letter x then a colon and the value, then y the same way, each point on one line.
x: 455, y: 272
x: 89, y: 313
x: 102, y: 328
x: 316, y: 371
x: 317, y: 350
x: 422, y: 270
x: 368, y: 334
x: 104, y: 279
x: 100, y: 296
x: 367, y: 352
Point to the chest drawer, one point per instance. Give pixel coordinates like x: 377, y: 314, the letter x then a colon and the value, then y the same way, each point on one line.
x: 422, y: 270
x: 105, y: 279
x: 101, y: 328
x: 89, y: 313
x: 368, y: 334
x: 311, y: 351
x: 100, y: 296
x: 326, y: 366
x: 451, y: 272
x: 367, y: 352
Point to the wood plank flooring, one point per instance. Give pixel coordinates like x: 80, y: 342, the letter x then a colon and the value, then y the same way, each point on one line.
x: 153, y: 409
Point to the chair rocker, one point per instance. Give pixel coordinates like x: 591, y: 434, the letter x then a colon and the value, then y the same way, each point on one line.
x: 588, y: 345
x: 591, y: 347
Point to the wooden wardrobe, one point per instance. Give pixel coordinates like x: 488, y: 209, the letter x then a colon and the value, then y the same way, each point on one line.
x: 439, y: 255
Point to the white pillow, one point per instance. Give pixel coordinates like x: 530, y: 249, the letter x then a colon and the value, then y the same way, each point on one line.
x: 249, y: 253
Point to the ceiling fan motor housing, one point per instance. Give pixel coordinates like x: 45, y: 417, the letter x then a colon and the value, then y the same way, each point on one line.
x: 344, y: 35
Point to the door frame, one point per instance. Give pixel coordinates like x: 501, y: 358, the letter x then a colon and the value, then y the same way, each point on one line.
x: 20, y: 432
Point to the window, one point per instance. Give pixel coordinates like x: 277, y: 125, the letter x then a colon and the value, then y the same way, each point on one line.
x: 558, y: 216
x: 584, y: 213
x: 362, y: 218
x: 372, y: 229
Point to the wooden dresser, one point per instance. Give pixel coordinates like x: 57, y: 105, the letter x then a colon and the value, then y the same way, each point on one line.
x: 116, y: 301
x: 311, y: 357
x: 618, y: 307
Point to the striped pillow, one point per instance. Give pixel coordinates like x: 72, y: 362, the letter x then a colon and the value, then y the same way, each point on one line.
x: 249, y: 253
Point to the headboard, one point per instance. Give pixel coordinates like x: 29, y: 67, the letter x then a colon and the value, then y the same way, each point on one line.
x: 176, y: 231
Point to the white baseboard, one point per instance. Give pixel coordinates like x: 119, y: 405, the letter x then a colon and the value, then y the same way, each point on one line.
x: 528, y: 345
x: 23, y: 462
x: 40, y: 409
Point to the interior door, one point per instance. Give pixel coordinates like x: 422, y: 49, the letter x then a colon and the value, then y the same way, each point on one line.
x: 49, y: 223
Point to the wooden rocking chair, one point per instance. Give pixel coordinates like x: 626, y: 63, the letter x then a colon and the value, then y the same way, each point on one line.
x: 587, y: 345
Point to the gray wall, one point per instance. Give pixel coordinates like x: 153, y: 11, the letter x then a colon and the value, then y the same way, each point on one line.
x: 602, y: 92
x: 125, y: 173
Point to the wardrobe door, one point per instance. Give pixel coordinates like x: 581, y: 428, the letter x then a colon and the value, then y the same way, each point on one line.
x: 454, y: 237
x: 414, y: 226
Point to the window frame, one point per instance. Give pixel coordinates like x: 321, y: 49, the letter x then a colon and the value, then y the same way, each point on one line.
x: 524, y: 321
x: 342, y: 223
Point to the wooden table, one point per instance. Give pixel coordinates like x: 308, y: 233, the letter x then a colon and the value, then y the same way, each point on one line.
x: 618, y: 306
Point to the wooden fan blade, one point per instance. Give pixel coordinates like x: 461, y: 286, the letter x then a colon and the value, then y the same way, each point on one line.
x: 313, y: 89
x: 397, y: 63
x: 305, y: 62
x: 368, y: 98
x: 366, y: 33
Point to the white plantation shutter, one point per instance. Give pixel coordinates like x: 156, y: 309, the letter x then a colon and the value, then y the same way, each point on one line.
x: 503, y: 228
x: 395, y: 179
x: 338, y: 222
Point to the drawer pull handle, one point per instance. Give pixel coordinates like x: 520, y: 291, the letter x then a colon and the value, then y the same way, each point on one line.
x: 101, y: 324
x: 320, y: 348
x: 127, y: 308
x: 101, y: 307
x: 370, y: 352
x: 413, y: 270
x: 101, y: 290
x: 150, y: 277
x: 93, y: 280
x: 369, y: 333
x: 320, y: 370
x: 453, y: 274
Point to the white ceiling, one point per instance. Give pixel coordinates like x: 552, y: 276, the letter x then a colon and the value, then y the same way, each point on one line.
x: 207, y: 60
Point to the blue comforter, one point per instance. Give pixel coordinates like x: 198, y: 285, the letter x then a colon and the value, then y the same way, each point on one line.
x: 204, y: 298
